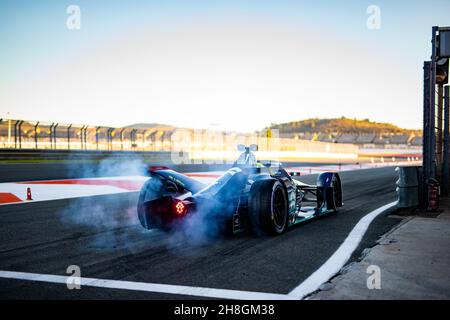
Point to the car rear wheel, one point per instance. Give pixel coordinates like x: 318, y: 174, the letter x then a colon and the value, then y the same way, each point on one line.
x: 152, y: 189
x: 268, y: 207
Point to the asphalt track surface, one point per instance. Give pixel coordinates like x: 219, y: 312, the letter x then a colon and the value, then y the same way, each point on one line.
x: 102, y: 235
x: 12, y: 172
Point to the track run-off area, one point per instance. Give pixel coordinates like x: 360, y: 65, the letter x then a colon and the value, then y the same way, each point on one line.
x: 118, y: 259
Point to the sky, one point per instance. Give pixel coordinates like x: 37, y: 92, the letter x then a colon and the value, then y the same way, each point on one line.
x: 227, y: 65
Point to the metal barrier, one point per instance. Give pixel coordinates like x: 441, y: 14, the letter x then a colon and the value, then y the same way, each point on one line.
x: 408, y: 186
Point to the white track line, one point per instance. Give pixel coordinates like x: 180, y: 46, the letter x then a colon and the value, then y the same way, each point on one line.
x: 335, y: 263
x: 311, y: 284
x: 148, y: 287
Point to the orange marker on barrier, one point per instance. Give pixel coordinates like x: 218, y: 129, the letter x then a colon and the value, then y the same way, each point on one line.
x: 29, y: 197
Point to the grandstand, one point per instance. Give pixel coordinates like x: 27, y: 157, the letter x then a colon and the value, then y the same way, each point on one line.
x: 347, y: 138
x: 380, y: 140
x: 326, y: 137
x: 416, y: 141
x: 400, y: 139
x: 365, y: 138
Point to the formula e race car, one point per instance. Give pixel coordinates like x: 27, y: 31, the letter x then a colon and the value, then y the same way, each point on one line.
x: 252, y: 195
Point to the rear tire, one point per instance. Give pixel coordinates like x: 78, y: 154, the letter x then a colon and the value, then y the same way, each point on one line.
x: 268, y: 207
x: 152, y: 189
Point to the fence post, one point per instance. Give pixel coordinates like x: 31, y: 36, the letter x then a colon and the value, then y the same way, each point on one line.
x: 51, y: 135
x: 81, y: 136
x: 20, y: 134
x: 96, y: 135
x: 121, y: 138
x: 85, y: 137
x: 433, y: 103
x: 110, y: 138
x: 143, y: 140
x: 439, y: 142
x: 133, y: 138
x: 427, y: 130
x: 15, y: 134
x: 35, y: 135
x: 54, y: 135
x: 446, y: 160
x: 68, y: 136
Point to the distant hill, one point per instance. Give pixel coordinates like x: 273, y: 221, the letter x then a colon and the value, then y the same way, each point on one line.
x: 340, y: 125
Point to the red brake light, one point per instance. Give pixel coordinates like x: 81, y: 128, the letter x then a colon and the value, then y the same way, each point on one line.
x: 180, y: 208
x: 154, y: 168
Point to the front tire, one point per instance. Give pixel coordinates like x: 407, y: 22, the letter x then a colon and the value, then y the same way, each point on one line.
x: 329, y: 198
x: 268, y: 207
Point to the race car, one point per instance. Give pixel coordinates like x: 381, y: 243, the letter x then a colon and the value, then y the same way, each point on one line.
x: 260, y: 196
